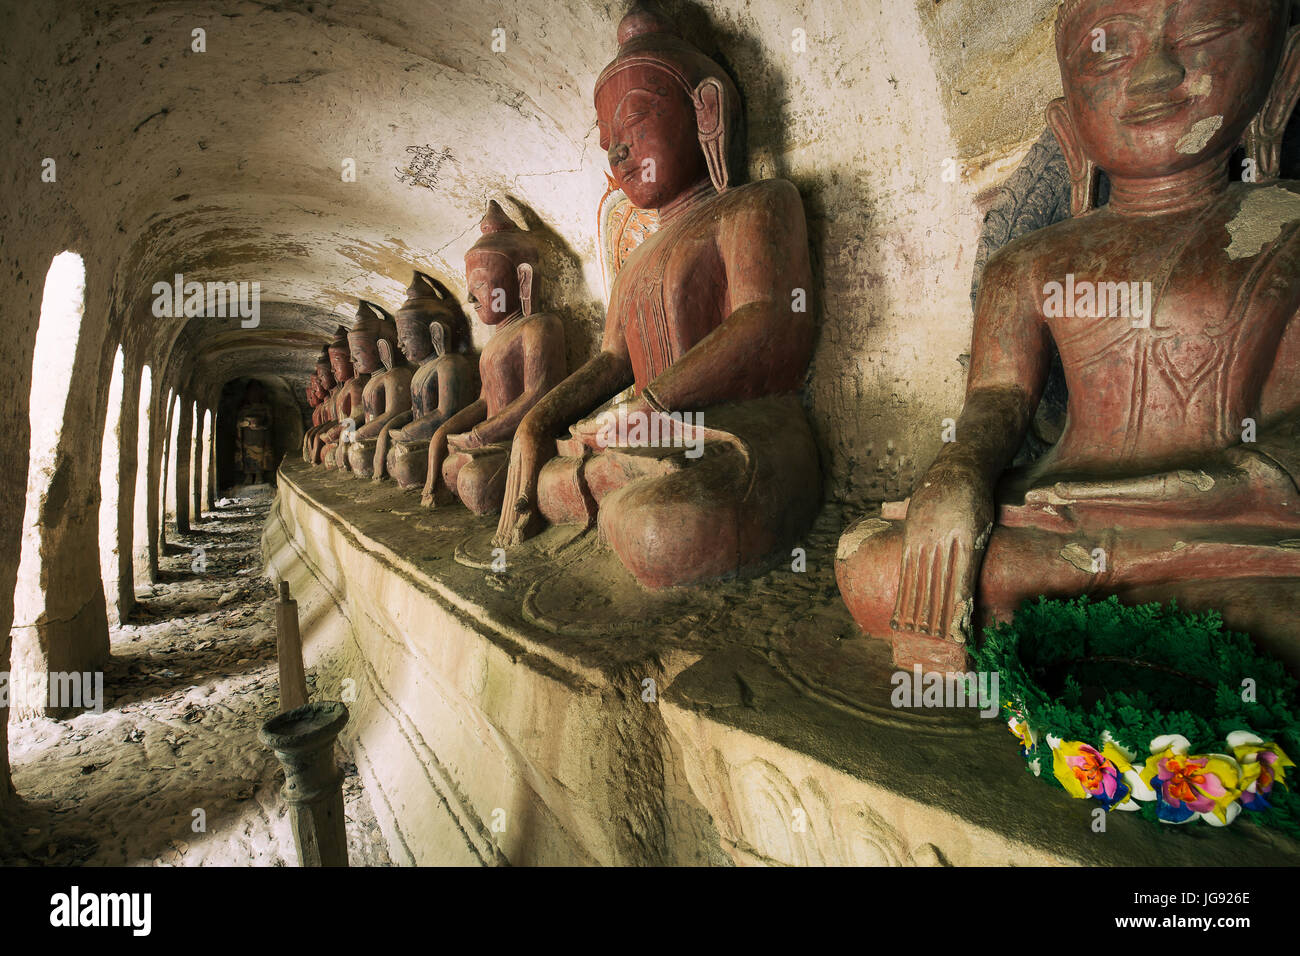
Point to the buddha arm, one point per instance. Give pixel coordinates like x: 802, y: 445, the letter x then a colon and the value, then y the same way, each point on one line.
x: 379, y: 465
x: 542, y: 345
x: 466, y: 418
x: 950, y: 516
x: 763, y: 345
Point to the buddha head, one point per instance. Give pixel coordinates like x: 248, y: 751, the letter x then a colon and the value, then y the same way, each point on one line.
x: 340, y: 356
x: 668, y: 115
x: 313, y: 390
x: 371, y: 325
x: 1154, y: 88
x: 500, y: 268
x: 324, y: 374
x: 428, y: 322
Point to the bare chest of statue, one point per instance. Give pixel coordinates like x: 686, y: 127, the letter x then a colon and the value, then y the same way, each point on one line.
x: 672, y: 291
x: 1166, y: 332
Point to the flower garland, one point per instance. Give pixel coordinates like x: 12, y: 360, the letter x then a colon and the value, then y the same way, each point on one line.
x: 1148, y: 709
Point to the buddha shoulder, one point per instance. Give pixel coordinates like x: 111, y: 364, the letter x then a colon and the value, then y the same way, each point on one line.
x: 774, y: 200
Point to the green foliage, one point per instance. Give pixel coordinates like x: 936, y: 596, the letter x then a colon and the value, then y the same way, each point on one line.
x: 1076, y: 668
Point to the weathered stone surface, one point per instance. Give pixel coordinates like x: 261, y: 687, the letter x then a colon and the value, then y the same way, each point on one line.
x: 524, y: 691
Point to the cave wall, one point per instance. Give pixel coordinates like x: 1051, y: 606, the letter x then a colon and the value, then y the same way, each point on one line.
x: 225, y: 165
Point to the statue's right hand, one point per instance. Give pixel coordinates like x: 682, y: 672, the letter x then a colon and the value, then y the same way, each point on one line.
x: 434, y: 489
x: 520, y: 518
x: 948, y: 524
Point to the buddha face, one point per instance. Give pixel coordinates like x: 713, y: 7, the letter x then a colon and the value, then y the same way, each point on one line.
x: 365, y: 351
x: 493, y: 286
x: 413, y: 335
x: 1155, y: 87
x: 648, y: 126
x: 341, y: 363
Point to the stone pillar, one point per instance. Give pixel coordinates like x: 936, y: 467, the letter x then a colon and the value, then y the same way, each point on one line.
x: 303, y: 741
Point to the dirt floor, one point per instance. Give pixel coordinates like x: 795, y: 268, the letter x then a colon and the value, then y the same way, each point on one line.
x: 172, y: 772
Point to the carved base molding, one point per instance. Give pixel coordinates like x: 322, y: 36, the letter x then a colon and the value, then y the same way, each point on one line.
x: 486, y: 735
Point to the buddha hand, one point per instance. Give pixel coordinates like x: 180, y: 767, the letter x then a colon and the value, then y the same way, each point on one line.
x: 520, y: 517
x: 1233, y: 480
x: 949, y: 521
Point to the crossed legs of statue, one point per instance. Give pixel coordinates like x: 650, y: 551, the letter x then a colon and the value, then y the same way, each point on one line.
x: 478, y: 476
x: 682, y: 515
x: 1250, y: 573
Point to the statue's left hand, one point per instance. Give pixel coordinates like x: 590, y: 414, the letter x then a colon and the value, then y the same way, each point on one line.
x: 463, y: 441
x: 1234, y: 474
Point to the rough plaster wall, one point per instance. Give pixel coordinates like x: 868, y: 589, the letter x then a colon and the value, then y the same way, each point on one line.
x: 225, y: 166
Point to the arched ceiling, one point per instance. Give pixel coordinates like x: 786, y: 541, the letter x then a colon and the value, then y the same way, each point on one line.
x: 227, y: 165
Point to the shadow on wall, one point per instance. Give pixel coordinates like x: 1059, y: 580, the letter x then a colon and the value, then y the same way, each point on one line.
x: 286, y: 425
x: 564, y: 290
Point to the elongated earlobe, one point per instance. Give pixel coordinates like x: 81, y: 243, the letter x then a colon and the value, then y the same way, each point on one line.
x: 1263, y: 139
x: 438, y: 335
x: 526, y: 287
x: 1083, y: 171
x: 711, y: 119
x: 386, y: 354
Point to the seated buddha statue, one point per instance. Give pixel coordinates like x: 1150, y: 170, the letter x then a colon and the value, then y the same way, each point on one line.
x: 1173, y: 310
x: 387, y: 393
x: 318, y: 389
x: 341, y: 372
x: 363, y: 359
x: 711, y: 466
x: 468, y: 454
x: 433, y: 336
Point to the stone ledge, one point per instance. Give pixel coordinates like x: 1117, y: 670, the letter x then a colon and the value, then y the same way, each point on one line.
x: 772, y: 740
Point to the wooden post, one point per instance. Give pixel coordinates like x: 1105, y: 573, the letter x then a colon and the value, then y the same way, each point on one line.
x: 293, y: 678
x: 303, y: 741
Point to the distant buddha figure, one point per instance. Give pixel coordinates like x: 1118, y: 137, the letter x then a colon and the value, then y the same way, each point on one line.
x: 338, y: 404
x: 363, y: 350
x: 701, y: 462
x: 318, y: 390
x: 469, y: 453
x: 253, y: 449
x: 433, y: 336
x: 1173, y: 309
x: 387, y: 392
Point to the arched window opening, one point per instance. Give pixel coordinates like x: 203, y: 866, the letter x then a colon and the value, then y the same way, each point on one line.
x: 208, y: 488
x: 140, y: 537
x: 62, y: 307
x: 109, y: 462
x: 196, y: 466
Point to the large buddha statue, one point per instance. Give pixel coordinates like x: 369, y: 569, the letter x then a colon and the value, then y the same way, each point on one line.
x: 432, y: 334
x: 387, y: 392
x: 361, y: 342
x: 710, y: 316
x: 340, y: 373
x: 469, y: 453
x: 1173, y: 311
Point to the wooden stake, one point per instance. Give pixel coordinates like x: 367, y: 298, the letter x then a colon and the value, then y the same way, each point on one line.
x: 293, y: 677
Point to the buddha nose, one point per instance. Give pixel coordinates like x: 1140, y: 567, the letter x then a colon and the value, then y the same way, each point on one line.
x: 617, y: 154
x: 1157, y: 72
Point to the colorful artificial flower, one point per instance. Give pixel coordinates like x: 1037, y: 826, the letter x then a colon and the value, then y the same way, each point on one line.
x: 1187, y: 787
x: 1105, y: 775
x: 1262, y: 766
x: 1024, y: 733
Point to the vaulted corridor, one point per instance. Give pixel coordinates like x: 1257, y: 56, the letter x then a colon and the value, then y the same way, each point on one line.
x: 171, y: 773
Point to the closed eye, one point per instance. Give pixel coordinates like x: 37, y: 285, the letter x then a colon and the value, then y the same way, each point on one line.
x: 1200, y: 33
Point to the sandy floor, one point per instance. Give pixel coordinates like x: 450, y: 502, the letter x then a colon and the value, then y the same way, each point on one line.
x: 172, y: 772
